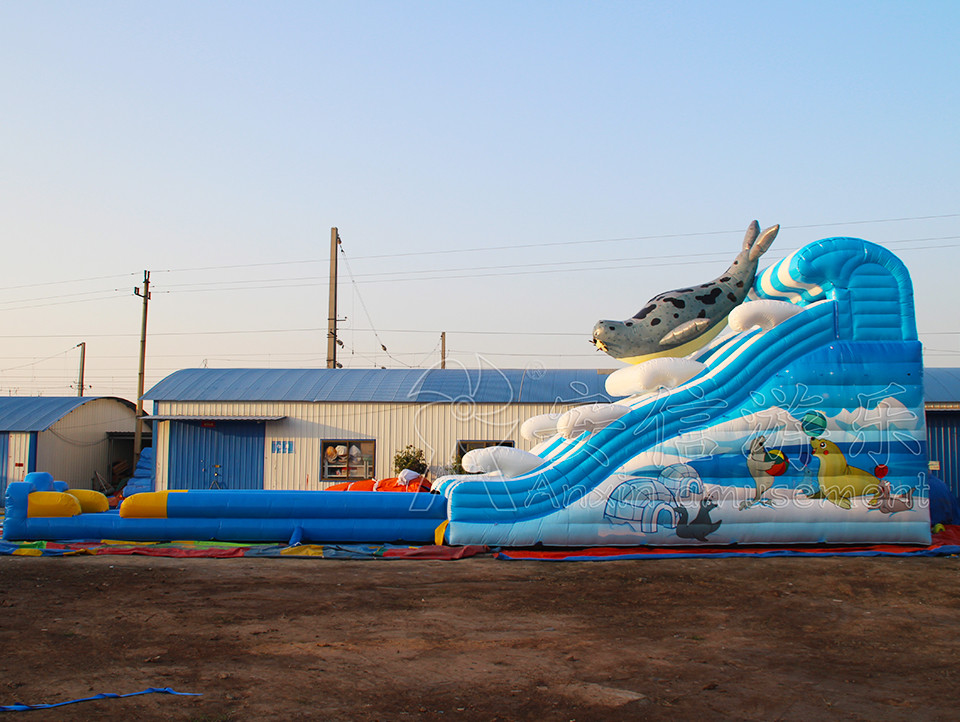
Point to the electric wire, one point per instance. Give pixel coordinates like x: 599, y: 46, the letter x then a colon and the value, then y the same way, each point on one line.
x: 363, y: 305
x: 547, y: 244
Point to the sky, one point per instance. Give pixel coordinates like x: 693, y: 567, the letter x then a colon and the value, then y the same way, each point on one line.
x: 505, y: 172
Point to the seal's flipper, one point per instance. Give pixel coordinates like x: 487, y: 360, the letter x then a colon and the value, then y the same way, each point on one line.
x: 685, y: 332
x: 763, y: 242
x: 753, y: 230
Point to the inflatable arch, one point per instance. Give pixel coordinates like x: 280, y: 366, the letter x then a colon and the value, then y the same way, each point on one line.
x: 802, y: 422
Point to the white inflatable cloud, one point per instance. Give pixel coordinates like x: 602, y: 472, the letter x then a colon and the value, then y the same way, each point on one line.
x: 538, y: 428
x: 589, y: 418
x: 765, y: 313
x: 666, y: 373
x: 507, y: 460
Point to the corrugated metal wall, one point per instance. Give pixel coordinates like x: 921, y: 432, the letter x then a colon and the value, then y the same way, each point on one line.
x: 76, y: 447
x: 943, y: 445
x: 223, y: 455
x: 4, y: 446
x: 21, y: 454
x: 292, y: 446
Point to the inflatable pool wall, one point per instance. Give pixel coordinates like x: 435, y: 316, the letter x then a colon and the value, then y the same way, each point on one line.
x: 799, y: 426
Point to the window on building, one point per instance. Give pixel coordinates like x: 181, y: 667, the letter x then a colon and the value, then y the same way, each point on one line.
x: 344, y: 459
x: 464, y: 446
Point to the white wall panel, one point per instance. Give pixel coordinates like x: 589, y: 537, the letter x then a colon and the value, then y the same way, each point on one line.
x: 76, y: 446
x: 294, y: 462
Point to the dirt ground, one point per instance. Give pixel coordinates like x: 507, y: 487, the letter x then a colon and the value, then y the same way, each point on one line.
x: 482, y: 639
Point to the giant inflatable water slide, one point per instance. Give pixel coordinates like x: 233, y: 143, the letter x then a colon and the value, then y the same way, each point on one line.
x: 803, y: 424
x: 774, y: 407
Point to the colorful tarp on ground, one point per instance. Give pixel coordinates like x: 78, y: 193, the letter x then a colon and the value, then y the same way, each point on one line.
x: 945, y: 543
x: 221, y: 550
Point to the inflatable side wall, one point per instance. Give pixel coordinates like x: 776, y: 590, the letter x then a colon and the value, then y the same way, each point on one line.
x: 36, y: 509
x: 801, y: 428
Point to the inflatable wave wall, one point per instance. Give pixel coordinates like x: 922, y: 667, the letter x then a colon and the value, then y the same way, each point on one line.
x: 804, y: 423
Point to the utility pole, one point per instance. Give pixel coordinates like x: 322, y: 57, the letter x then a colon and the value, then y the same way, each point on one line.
x: 332, y: 305
x: 138, y: 431
x: 443, y: 349
x: 83, y: 354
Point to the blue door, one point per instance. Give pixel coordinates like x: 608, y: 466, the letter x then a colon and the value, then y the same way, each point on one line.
x: 943, y: 445
x: 216, y: 455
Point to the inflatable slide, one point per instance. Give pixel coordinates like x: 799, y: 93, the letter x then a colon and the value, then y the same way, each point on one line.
x: 780, y: 406
x: 801, y: 423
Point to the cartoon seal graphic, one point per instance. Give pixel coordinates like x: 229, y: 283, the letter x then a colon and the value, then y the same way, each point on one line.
x: 840, y: 482
x: 679, y: 322
x: 888, y: 503
x: 764, y: 465
x: 701, y: 525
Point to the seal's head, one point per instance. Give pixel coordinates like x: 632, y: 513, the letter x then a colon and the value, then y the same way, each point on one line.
x: 822, y: 447
x: 613, y: 337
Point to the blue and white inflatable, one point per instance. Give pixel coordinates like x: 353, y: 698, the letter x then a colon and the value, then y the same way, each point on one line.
x: 802, y: 423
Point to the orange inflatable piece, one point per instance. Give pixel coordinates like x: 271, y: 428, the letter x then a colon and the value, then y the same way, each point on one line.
x: 395, y: 484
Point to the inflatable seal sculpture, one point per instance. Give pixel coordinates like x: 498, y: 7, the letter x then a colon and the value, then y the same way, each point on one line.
x: 679, y: 322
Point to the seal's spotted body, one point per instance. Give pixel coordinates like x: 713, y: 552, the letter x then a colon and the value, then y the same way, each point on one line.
x: 678, y: 322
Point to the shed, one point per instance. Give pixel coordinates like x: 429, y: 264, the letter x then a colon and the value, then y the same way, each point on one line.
x: 310, y: 428
x: 73, y: 437
x: 941, y: 387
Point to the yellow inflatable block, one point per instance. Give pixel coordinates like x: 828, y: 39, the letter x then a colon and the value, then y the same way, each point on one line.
x: 52, y: 503
x: 90, y: 500
x: 146, y: 505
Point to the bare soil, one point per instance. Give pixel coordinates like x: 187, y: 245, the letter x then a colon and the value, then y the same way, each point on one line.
x: 482, y: 639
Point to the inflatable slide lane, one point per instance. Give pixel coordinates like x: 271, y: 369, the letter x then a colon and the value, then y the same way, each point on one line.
x: 801, y: 422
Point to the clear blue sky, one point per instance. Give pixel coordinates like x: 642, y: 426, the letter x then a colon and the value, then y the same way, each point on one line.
x: 497, y: 170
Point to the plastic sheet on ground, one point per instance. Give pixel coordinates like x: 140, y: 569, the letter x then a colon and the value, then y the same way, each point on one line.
x: 185, y: 549
x: 945, y: 543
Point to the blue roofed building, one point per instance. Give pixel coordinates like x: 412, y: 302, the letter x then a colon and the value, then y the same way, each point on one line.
x: 941, y: 390
x: 74, y: 438
x: 311, y: 428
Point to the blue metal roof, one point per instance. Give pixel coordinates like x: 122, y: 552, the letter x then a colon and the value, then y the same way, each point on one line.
x: 531, y: 386
x: 941, y: 385
x: 485, y: 385
x: 39, y: 413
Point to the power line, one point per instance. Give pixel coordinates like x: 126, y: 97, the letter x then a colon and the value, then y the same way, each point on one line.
x: 525, y: 270
x: 58, y: 283
x: 546, y: 244
x: 38, y: 361
x: 55, y: 303
x: 417, y: 275
x: 363, y: 305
